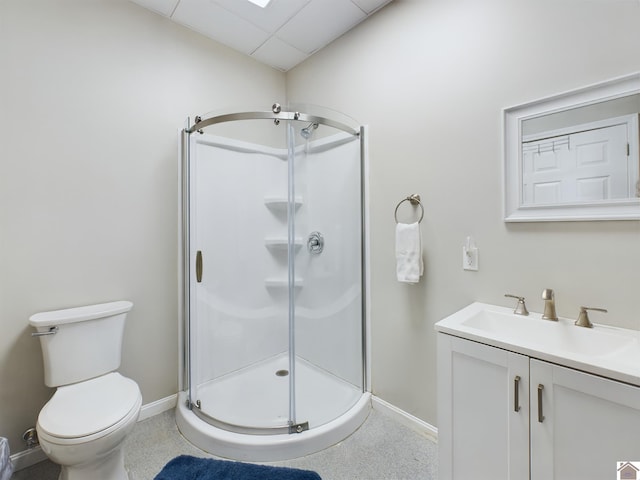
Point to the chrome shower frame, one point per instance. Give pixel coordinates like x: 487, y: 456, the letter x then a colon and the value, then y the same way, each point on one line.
x: 277, y: 115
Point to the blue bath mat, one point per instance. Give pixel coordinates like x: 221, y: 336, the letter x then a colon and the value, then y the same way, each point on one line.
x: 186, y: 467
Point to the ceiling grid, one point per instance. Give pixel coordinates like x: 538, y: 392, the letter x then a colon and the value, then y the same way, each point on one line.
x: 282, y: 34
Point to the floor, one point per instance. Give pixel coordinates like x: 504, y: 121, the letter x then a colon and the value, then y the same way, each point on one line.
x: 382, y: 449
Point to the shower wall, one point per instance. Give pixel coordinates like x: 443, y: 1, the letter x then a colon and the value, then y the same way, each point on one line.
x: 239, y: 220
x: 329, y: 304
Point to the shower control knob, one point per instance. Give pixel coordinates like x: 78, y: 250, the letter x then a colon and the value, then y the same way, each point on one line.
x: 315, y: 243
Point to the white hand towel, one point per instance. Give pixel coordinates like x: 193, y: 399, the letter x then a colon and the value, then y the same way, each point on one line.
x: 6, y: 468
x: 409, y: 266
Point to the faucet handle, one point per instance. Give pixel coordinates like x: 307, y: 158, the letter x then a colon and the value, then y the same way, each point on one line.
x: 521, y: 308
x: 583, y: 317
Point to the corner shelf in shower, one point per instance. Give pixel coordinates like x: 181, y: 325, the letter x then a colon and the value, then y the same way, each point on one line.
x: 279, y: 204
x: 281, y: 282
x: 280, y: 244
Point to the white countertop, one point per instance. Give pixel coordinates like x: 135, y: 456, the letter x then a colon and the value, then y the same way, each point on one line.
x: 603, y: 350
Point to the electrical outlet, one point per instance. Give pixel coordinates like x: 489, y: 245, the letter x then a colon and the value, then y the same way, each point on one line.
x: 470, y: 255
x: 470, y: 258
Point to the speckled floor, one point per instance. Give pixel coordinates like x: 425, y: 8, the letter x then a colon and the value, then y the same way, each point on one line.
x: 382, y: 449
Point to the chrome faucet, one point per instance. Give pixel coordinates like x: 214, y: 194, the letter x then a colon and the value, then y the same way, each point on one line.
x: 549, y: 305
x: 521, y: 308
x: 583, y: 318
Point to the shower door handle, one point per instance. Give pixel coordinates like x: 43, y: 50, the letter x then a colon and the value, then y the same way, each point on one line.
x: 199, y: 266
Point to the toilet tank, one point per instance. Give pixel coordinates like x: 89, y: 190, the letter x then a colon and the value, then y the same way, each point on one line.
x: 87, y: 341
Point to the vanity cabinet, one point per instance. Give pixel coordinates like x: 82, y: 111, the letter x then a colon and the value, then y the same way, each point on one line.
x: 504, y: 415
x: 584, y: 425
x: 483, y: 411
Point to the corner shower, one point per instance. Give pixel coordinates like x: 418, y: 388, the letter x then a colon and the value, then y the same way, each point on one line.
x: 273, y: 291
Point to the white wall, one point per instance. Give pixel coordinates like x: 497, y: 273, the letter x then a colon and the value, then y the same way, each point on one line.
x: 92, y: 93
x: 430, y: 78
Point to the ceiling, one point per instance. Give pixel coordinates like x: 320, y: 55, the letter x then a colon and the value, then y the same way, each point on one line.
x: 281, y: 35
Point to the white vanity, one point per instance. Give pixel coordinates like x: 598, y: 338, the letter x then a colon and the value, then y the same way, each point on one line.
x: 520, y: 397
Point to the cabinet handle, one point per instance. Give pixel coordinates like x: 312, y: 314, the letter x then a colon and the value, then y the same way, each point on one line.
x: 540, y: 415
x: 516, y: 394
x: 199, y: 266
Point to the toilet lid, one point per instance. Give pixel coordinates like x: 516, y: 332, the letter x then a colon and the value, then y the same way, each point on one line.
x: 89, y: 407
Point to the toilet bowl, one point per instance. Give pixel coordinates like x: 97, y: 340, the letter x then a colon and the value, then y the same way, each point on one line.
x: 84, y: 424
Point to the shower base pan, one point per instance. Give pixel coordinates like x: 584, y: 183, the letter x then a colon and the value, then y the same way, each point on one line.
x: 332, y: 417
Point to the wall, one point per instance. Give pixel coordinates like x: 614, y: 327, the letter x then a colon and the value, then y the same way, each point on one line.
x: 430, y: 78
x: 92, y: 94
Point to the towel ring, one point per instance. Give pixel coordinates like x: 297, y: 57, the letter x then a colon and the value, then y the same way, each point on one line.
x: 413, y: 199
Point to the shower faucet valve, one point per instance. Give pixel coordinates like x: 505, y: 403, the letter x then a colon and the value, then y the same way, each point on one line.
x: 315, y: 243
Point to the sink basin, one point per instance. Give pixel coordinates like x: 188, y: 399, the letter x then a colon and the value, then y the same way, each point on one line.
x: 603, y: 350
x: 563, y: 334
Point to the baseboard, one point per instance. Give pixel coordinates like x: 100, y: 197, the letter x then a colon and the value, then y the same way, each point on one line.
x: 405, y: 418
x: 34, y: 455
x: 154, y: 408
x: 26, y: 458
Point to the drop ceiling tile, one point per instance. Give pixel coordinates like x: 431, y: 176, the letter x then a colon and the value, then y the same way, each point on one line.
x: 163, y: 7
x: 220, y: 24
x: 278, y: 54
x: 370, y: 6
x: 270, y: 18
x: 319, y: 23
x: 293, y: 29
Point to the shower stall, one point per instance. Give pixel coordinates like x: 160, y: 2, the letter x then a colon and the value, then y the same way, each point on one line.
x: 274, y: 344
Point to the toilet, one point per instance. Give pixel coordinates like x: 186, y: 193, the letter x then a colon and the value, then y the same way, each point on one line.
x: 84, y: 424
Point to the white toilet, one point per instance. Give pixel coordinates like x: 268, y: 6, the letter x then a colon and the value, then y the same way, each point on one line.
x: 83, y: 426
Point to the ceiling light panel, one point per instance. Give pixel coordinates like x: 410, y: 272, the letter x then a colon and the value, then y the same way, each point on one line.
x: 260, y: 3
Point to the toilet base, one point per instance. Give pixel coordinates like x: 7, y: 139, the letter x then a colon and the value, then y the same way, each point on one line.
x: 109, y: 467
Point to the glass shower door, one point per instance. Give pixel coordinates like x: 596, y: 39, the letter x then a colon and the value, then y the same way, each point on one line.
x: 239, y: 305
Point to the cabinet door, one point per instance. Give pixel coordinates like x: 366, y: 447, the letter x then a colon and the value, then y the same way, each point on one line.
x: 483, y: 411
x: 586, y: 424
